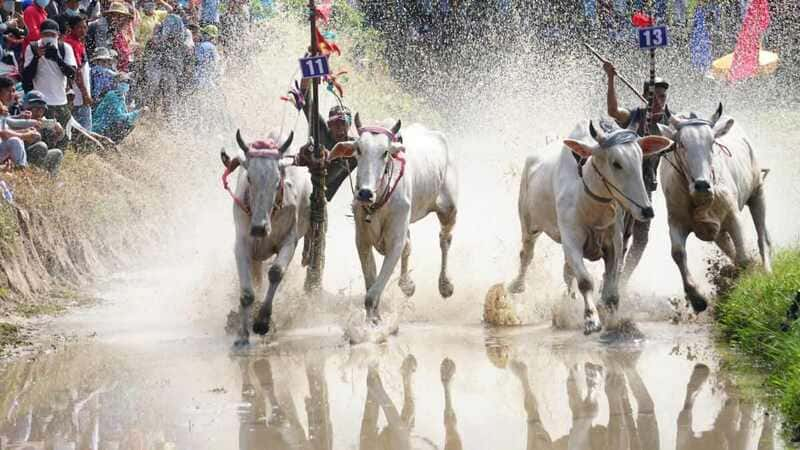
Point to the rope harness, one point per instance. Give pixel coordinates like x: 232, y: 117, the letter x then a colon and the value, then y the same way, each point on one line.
x: 680, y: 165
x: 616, y: 137
x: 259, y: 149
x: 388, y: 171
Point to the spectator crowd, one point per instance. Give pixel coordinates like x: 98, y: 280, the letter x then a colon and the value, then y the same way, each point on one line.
x: 79, y: 74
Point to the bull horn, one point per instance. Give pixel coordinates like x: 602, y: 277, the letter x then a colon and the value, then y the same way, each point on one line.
x: 241, y: 143
x: 358, y: 121
x: 226, y: 160
x: 287, y: 143
x: 674, y: 121
x: 592, y: 130
x: 396, y: 127
x: 717, y: 114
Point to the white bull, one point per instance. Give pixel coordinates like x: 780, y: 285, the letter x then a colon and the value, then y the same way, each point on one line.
x: 271, y: 214
x: 579, y: 207
x: 707, y: 181
x: 399, y: 183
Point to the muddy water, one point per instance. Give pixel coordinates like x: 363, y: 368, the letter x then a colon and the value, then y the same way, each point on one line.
x: 166, y: 378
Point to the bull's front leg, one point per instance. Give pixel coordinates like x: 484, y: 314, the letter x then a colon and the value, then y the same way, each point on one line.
x: 573, y: 254
x: 612, y: 254
x: 395, y: 243
x: 365, y: 255
x: 677, y: 237
x: 447, y: 220
x: 243, y: 253
x: 276, y: 272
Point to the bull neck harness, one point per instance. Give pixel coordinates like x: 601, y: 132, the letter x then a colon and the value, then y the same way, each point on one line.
x: 388, y: 171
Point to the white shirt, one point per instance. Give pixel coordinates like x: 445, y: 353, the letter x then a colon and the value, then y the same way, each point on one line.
x: 85, y: 73
x: 49, y: 80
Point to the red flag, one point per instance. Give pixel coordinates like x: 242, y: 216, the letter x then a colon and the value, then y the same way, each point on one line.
x: 324, y: 10
x: 642, y: 20
x: 325, y: 47
x: 745, y: 56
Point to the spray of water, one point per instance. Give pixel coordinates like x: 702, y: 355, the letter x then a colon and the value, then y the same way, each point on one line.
x: 496, y: 104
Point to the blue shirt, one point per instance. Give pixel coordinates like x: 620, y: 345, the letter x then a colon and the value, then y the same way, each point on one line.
x: 102, y: 80
x: 207, y: 65
x: 209, y: 12
x: 112, y: 112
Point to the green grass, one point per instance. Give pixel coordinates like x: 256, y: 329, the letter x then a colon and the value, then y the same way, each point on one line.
x: 752, y: 317
x: 9, y: 336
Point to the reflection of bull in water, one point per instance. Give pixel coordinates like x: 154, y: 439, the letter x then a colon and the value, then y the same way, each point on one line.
x: 733, y: 428
x: 281, y: 427
x: 396, y: 435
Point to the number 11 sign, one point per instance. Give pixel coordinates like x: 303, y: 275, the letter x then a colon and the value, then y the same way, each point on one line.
x: 652, y: 37
x: 314, y: 67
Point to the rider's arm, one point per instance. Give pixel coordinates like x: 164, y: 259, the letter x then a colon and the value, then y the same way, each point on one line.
x: 621, y: 115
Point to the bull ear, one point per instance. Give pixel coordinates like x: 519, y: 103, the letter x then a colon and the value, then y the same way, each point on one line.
x: 358, y: 122
x: 396, y: 127
x: 722, y: 128
x: 286, y: 144
x: 652, y: 145
x: 395, y: 148
x: 717, y: 114
x: 342, y: 150
x: 580, y: 148
x: 241, y: 142
x: 666, y: 131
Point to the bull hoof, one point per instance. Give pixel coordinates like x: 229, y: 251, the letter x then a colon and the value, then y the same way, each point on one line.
x: 612, y: 303
x: 373, y: 317
x: 591, y: 325
x: 445, y: 287
x: 407, y: 286
x: 409, y: 365
x: 698, y: 301
x: 517, y: 286
x: 261, y: 328
x: 447, y: 370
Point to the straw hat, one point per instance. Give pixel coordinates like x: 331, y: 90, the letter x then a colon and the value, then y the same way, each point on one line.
x: 102, y: 53
x: 118, y: 8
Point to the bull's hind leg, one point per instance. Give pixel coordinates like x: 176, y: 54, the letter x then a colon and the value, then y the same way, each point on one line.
x: 406, y: 283
x: 276, y: 272
x: 246, y: 296
x: 525, y: 257
x: 758, y: 209
x: 677, y: 236
x: 447, y: 219
x: 734, y: 228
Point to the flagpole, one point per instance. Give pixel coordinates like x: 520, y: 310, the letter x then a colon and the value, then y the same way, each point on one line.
x: 651, y: 91
x: 319, y: 211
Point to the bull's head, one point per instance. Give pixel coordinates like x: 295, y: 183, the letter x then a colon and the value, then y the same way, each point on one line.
x: 372, y: 150
x: 695, y: 148
x: 617, y: 157
x: 262, y: 160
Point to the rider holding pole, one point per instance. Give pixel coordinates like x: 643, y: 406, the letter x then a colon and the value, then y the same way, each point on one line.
x: 623, y: 117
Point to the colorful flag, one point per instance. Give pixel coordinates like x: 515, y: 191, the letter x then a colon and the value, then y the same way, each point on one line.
x: 701, y: 42
x: 326, y: 47
x: 324, y: 10
x: 745, y: 56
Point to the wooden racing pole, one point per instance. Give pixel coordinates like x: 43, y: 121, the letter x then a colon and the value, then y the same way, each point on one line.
x: 319, y: 214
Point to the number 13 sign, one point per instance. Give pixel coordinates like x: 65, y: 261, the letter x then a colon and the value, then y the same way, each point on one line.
x: 652, y: 37
x: 314, y: 67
